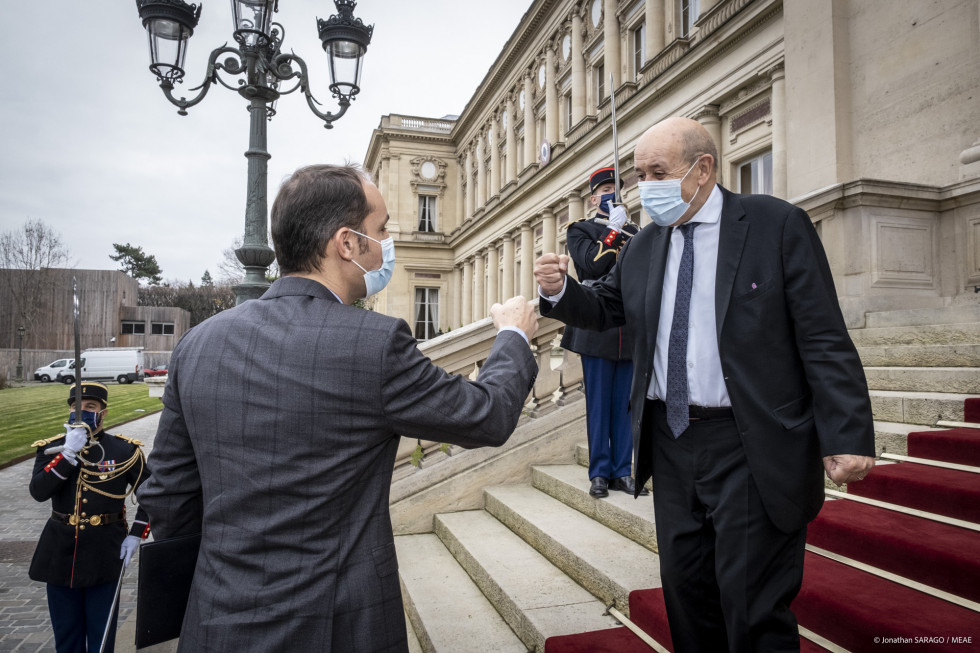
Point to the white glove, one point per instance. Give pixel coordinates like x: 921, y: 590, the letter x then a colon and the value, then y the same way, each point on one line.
x: 75, y: 440
x: 129, y: 546
x: 617, y: 217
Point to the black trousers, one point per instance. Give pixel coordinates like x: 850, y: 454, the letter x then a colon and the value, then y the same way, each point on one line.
x: 729, y: 575
x: 79, y: 617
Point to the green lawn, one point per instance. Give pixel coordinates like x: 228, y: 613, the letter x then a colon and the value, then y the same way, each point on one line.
x: 35, y: 412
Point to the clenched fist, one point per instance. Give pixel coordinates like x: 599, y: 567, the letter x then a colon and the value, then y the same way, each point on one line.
x: 515, y: 312
x: 550, y: 271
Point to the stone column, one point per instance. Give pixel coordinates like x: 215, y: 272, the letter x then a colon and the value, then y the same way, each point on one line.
x: 576, y: 211
x: 481, y: 172
x: 530, y: 135
x: 507, y: 285
x: 460, y: 191
x: 493, y: 136
x: 493, y: 289
x: 578, y: 69
x: 479, y: 286
x: 467, y: 293
x: 511, y: 140
x: 455, y: 298
x: 549, y: 231
x: 469, y: 184
x: 778, y: 131
x: 709, y: 118
x: 551, y: 96
x: 655, y: 27
x: 528, y: 289
x: 610, y: 40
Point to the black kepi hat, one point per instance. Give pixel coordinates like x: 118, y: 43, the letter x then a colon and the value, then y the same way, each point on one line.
x: 91, y: 390
x: 602, y: 176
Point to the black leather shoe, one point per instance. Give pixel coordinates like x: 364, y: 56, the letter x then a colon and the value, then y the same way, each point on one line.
x: 628, y: 485
x: 600, y: 487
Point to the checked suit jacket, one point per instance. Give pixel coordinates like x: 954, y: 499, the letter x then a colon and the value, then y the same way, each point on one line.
x: 793, y: 375
x: 277, y: 440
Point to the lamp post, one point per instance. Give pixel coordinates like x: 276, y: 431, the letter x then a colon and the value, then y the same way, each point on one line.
x: 263, y: 68
x: 20, y: 353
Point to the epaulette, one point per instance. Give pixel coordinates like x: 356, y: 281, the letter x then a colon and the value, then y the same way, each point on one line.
x: 41, y: 443
x: 129, y: 440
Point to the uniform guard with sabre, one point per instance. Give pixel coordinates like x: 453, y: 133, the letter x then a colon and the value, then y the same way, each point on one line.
x: 593, y: 246
x: 85, y: 545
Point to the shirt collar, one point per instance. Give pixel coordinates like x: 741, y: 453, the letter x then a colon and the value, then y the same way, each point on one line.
x: 710, y: 212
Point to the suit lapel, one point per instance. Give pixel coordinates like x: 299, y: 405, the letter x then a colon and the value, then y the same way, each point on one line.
x: 655, y: 283
x: 731, y: 241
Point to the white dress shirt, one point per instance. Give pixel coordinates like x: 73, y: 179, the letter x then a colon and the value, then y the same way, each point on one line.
x: 706, y: 382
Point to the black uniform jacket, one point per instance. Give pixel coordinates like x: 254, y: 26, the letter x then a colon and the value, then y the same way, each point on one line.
x: 593, y: 259
x: 86, y: 552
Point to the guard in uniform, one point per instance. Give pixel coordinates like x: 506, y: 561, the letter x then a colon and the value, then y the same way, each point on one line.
x: 593, y: 246
x: 85, y: 544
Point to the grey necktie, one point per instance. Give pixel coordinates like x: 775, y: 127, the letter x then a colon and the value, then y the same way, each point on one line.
x: 677, y: 391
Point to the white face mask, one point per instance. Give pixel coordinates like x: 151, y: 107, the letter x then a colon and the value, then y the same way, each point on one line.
x: 662, y: 199
x: 376, y: 280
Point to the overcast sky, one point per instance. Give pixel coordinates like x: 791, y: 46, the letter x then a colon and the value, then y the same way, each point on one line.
x: 92, y: 147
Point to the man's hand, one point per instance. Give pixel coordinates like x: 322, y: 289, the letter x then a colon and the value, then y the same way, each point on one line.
x: 617, y: 217
x: 844, y: 468
x: 75, y: 441
x: 129, y: 546
x: 515, y: 312
x: 550, y: 271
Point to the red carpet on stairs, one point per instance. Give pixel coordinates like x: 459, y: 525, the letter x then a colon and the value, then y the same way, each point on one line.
x: 851, y: 608
x: 960, y: 446
x: 943, y: 491
x: 899, y: 543
x: 611, y: 640
x: 971, y: 410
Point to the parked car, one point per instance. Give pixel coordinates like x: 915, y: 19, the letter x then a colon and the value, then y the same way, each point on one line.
x: 50, y: 371
x: 159, y: 370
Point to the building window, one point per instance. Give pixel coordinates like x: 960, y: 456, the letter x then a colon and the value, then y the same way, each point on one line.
x: 639, y: 48
x: 427, y: 213
x: 426, y: 313
x: 568, y: 113
x: 600, y: 82
x: 133, y: 328
x: 690, y: 9
x: 162, y: 329
x: 755, y: 175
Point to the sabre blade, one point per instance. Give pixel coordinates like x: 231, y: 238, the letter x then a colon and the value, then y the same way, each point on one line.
x: 615, y: 137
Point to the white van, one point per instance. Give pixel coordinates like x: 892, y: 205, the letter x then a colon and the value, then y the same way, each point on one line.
x: 124, y: 365
x: 50, y: 371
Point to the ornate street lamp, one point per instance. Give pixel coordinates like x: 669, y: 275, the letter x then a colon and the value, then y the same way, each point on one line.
x: 20, y: 352
x: 262, y: 69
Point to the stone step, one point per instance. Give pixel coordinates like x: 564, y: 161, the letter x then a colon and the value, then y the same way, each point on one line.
x: 924, y: 408
x: 606, y: 563
x: 929, y: 334
x: 413, y: 641
x: 619, y: 511
x: 959, y: 355
x: 582, y: 458
x: 964, y: 380
x: 924, y: 316
x: 446, y: 609
x: 892, y: 437
x: 536, y: 598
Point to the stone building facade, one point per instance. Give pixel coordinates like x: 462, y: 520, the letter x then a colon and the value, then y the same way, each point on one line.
x: 866, y: 113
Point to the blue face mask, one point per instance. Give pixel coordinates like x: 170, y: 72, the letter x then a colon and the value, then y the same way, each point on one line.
x: 662, y: 199
x: 376, y: 280
x: 606, y: 201
x: 89, y: 418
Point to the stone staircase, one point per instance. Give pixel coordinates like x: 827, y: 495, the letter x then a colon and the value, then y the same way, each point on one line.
x: 545, y: 559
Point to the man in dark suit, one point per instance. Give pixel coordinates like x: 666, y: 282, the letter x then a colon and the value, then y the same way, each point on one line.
x: 593, y: 245
x: 280, y: 425
x: 746, y: 388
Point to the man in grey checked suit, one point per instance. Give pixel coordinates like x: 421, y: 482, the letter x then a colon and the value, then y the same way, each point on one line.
x: 280, y: 425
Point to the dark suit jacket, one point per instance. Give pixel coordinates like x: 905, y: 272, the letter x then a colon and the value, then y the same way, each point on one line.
x: 793, y: 375
x: 593, y: 259
x: 278, y: 436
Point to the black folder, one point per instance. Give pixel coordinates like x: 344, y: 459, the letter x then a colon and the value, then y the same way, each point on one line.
x: 166, y: 572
